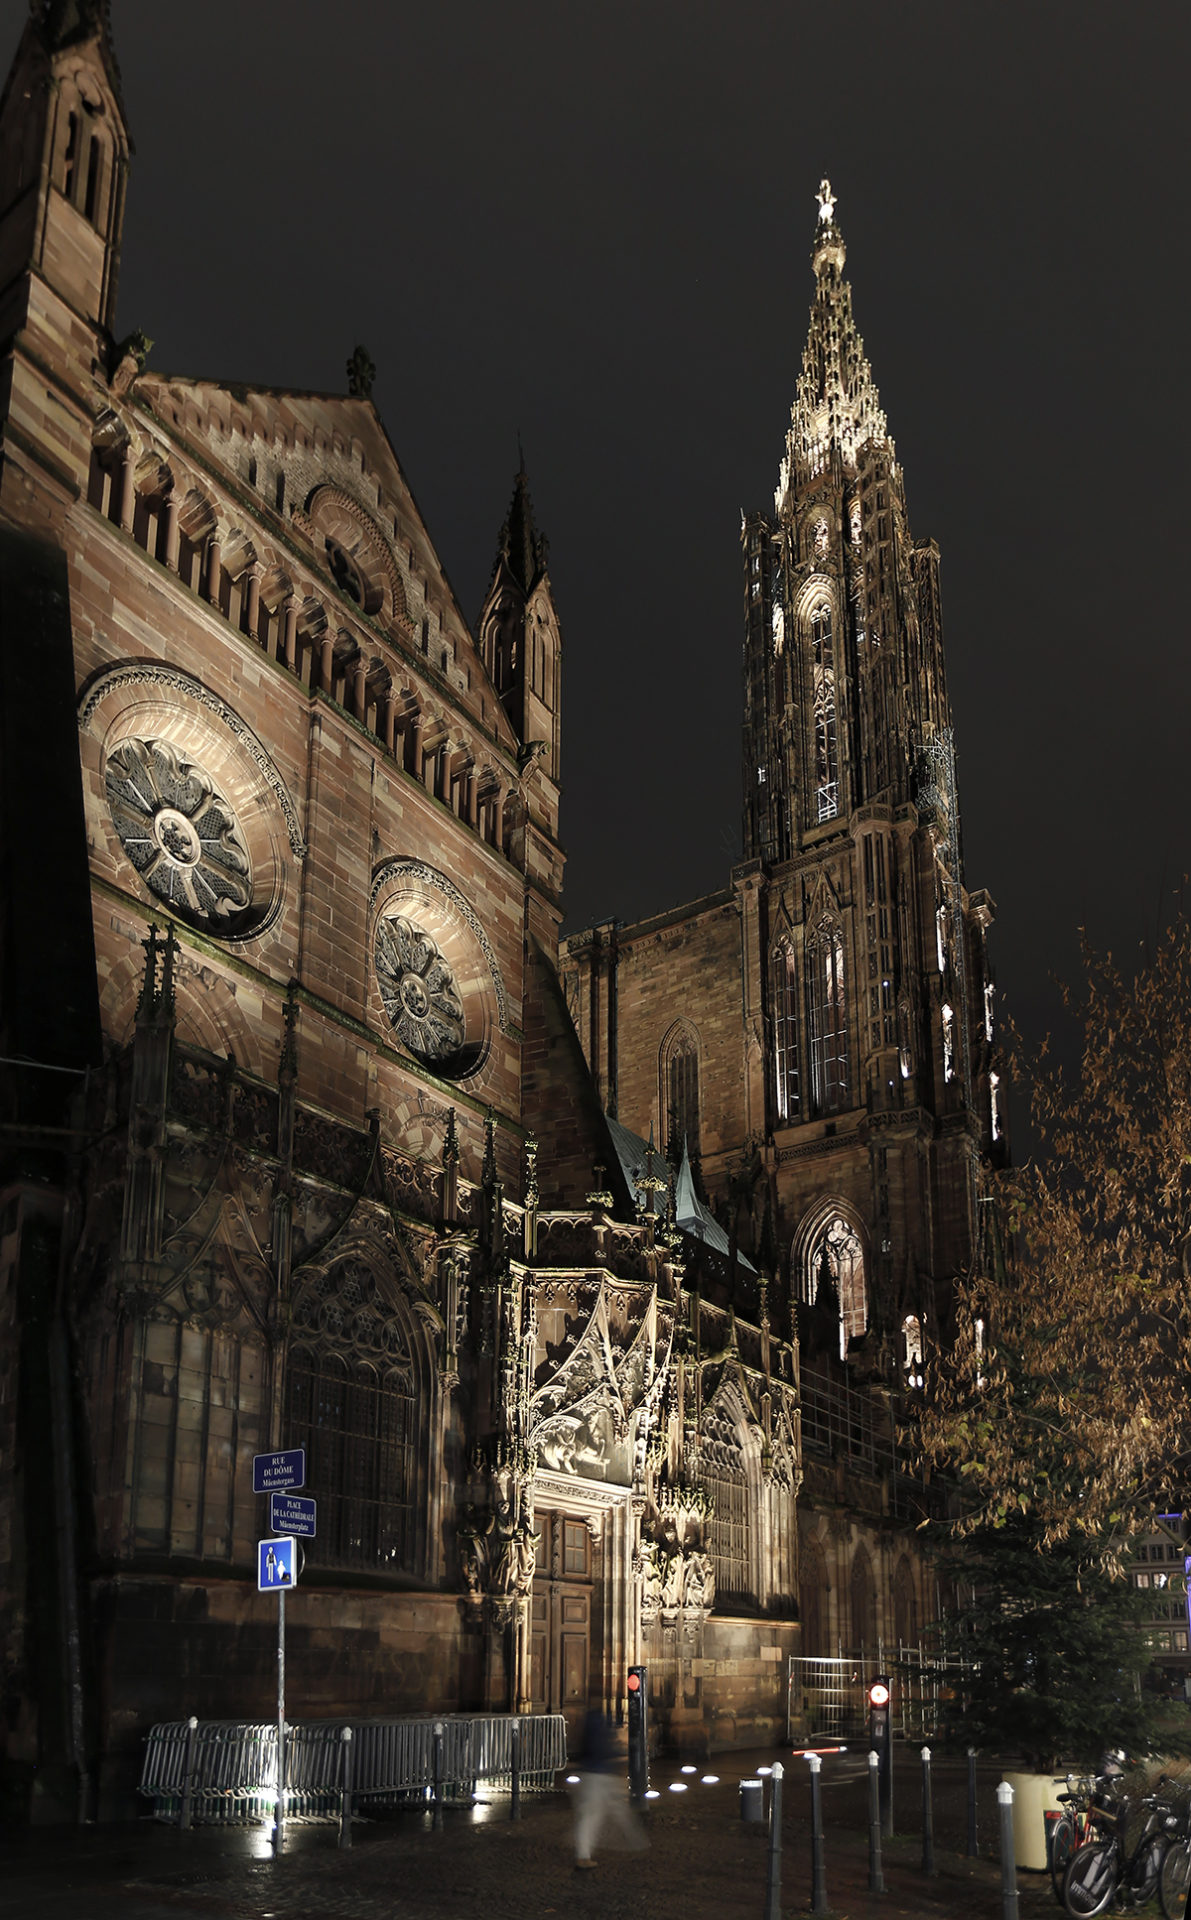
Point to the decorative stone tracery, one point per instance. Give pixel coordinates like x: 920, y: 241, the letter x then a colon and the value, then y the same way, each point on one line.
x: 181, y: 834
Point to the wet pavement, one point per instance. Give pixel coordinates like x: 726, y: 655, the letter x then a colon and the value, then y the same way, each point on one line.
x: 703, y: 1862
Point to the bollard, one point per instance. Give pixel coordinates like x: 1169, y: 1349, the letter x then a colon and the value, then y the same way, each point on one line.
x: 438, y: 1734
x: 818, y: 1871
x: 773, y: 1885
x: 515, y: 1769
x: 752, y: 1802
x: 188, y: 1774
x: 973, y: 1846
x: 928, y: 1819
x: 876, y: 1879
x: 1008, y: 1864
x: 345, y: 1791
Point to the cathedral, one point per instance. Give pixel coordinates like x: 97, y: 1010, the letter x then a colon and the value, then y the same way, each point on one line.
x: 590, y: 1274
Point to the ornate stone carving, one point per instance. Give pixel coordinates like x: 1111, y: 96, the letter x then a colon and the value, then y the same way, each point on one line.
x: 418, y: 990
x: 181, y: 835
x: 172, y: 680
x: 416, y: 876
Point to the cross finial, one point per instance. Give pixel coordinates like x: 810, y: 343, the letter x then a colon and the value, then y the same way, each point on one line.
x: 826, y: 201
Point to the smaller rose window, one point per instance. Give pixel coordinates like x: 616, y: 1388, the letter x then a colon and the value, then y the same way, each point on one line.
x: 419, y: 992
x: 181, y: 835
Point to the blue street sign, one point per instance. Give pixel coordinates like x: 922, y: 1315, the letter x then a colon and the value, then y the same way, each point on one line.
x: 272, y: 1470
x: 292, y: 1513
x: 276, y: 1565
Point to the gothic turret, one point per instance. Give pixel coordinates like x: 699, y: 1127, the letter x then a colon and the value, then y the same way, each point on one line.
x: 519, y: 633
x: 64, y: 150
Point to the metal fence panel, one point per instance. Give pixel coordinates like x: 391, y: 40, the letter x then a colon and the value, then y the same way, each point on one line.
x: 235, y: 1763
x: 826, y: 1694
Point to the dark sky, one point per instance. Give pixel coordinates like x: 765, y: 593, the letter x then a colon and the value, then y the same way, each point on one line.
x: 590, y: 222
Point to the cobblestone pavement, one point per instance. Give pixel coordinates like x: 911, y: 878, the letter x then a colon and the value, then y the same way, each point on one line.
x: 703, y: 1862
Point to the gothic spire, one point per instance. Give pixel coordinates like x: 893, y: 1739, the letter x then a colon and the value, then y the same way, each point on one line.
x: 521, y: 547
x: 837, y: 409
x: 60, y: 24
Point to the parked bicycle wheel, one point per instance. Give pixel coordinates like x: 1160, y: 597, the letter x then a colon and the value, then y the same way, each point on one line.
x: 1091, y: 1878
x: 1062, y: 1846
x: 1146, y: 1868
x: 1174, y: 1880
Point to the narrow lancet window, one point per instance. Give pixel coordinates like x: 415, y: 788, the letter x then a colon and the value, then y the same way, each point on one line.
x: 823, y: 701
x: 785, y: 1037
x: 827, y: 1020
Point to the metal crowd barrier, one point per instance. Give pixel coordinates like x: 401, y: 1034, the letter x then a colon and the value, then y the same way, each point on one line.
x: 225, y: 1771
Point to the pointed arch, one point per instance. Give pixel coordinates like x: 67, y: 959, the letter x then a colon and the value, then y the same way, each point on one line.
x: 814, y: 1598
x: 862, y: 1597
x: 905, y: 1604
x: 783, y: 990
x: 827, y: 1018
x: 678, y: 1087
x: 830, y: 1250
x: 730, y: 1472
x: 360, y: 1397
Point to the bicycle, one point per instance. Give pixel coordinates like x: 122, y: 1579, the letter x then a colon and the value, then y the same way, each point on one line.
x: 1101, y: 1871
x: 1073, y: 1826
x: 1174, y: 1880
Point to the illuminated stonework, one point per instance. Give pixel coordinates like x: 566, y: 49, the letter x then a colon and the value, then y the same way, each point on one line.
x: 180, y: 834
x: 418, y: 990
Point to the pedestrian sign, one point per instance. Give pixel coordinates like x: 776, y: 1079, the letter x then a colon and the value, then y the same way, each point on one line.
x: 276, y: 1565
x: 273, y: 1470
x: 293, y: 1513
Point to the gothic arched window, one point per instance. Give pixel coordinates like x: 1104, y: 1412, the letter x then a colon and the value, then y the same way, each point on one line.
x: 913, y: 1359
x: 680, y: 1088
x: 826, y: 757
x: 729, y: 1534
x: 350, y: 1403
x: 814, y: 1599
x: 905, y: 1605
x: 827, y: 1020
x: 864, y: 1603
x: 786, y: 1088
x: 835, y: 1261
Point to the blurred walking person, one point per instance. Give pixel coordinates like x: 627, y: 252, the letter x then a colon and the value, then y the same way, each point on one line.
x: 602, y: 1795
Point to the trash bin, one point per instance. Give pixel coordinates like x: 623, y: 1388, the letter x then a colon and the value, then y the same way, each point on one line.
x: 752, y: 1802
x: 1051, y: 1817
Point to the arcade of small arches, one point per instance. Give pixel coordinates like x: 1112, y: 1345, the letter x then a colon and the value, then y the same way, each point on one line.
x: 263, y: 595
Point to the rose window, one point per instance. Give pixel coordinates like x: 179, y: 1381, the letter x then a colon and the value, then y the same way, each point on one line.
x: 180, y: 834
x: 418, y: 990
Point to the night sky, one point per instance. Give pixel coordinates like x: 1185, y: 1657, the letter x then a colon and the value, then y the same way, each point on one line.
x: 590, y: 224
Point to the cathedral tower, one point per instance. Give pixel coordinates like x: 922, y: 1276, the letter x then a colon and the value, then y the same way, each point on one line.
x: 838, y: 1008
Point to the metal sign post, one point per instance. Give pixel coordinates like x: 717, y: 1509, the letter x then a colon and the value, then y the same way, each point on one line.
x: 276, y: 1571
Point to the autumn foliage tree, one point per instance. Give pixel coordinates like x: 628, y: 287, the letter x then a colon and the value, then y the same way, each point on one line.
x: 1061, y: 1407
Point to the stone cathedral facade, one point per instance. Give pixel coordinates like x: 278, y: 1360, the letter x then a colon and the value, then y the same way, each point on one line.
x: 301, y: 1144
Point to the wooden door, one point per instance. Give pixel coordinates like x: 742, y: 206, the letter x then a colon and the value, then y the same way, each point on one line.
x: 560, y: 1622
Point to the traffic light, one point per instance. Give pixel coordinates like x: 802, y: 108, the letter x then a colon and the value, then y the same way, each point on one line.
x: 638, y: 1740
x: 880, y: 1740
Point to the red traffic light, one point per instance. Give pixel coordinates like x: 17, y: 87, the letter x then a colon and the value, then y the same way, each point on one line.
x: 634, y: 1683
x: 878, y: 1694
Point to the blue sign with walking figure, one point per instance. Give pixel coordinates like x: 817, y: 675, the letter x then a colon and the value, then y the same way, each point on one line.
x: 276, y: 1564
